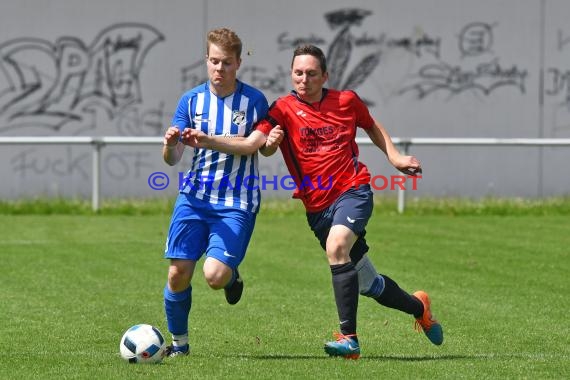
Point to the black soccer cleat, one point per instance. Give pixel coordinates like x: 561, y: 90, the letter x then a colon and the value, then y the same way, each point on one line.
x: 234, y: 292
x: 172, y: 351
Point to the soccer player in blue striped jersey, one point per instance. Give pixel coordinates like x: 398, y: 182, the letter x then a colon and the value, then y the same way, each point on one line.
x: 215, y: 211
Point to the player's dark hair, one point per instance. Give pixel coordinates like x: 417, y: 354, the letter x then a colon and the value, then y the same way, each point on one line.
x: 226, y: 38
x: 315, y: 52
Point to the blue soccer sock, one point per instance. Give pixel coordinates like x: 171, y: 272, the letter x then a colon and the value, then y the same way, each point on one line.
x: 177, y: 308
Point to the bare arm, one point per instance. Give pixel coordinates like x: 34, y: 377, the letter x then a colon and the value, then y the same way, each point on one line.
x: 172, y: 149
x: 380, y: 137
x: 231, y: 145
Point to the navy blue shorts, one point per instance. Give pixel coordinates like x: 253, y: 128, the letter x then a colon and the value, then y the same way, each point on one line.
x: 198, y: 228
x: 352, y: 209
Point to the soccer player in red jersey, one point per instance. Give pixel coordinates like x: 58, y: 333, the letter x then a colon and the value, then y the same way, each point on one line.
x: 315, y: 128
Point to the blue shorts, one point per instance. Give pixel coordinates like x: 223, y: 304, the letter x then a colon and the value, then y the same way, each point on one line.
x: 198, y: 227
x: 352, y: 209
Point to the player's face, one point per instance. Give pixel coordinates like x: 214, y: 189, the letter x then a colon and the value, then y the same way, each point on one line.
x: 222, y: 68
x: 308, y: 78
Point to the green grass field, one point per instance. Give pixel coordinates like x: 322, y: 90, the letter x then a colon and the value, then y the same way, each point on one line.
x: 71, y: 285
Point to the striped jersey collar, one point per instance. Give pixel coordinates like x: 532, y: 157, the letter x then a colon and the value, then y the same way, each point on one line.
x: 239, y: 86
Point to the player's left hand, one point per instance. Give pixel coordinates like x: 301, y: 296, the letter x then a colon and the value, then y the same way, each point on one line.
x: 194, y: 138
x: 409, y: 165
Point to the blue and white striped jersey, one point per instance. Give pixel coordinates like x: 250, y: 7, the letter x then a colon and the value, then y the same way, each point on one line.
x: 222, y: 179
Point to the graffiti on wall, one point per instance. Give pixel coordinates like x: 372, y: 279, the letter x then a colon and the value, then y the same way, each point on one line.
x: 73, y: 86
x: 557, y: 86
x: 352, y: 57
x: 475, y: 42
x: 68, y: 82
x: 76, y: 163
x: 354, y: 54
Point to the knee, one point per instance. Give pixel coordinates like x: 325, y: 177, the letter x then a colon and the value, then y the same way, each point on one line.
x: 337, y: 250
x: 215, y: 280
x: 217, y: 274
x: 339, y: 242
x: 178, y: 278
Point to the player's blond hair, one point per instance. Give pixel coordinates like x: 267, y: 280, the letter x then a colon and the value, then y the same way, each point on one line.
x: 226, y: 38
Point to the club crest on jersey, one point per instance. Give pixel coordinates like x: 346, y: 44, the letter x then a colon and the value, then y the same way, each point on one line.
x: 238, y: 118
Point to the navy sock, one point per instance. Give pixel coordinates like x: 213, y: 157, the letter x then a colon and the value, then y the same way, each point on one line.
x: 345, y: 286
x: 394, y: 297
x: 177, y: 308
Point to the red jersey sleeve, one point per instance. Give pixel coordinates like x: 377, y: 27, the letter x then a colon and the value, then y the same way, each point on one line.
x: 269, y: 122
x: 363, y: 118
x: 263, y: 126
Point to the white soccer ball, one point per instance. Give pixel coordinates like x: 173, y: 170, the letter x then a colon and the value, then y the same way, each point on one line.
x: 142, y: 344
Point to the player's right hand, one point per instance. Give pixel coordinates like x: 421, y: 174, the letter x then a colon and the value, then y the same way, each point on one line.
x: 275, y: 137
x: 409, y: 165
x: 171, y: 136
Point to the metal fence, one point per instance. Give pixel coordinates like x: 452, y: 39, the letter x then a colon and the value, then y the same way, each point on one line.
x: 98, y: 143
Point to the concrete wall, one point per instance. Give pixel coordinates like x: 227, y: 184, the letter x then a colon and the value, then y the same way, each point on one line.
x: 428, y: 68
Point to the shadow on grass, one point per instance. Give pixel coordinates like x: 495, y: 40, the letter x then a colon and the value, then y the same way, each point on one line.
x: 364, y: 357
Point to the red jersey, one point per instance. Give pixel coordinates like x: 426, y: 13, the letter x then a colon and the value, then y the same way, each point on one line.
x: 319, y: 147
